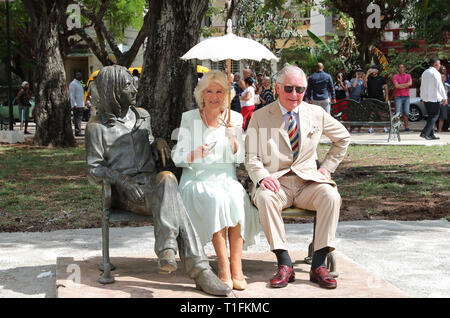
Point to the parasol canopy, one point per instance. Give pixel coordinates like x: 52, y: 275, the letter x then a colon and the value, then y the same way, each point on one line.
x: 229, y: 47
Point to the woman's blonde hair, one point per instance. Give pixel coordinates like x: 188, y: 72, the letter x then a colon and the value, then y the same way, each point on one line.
x: 213, y: 76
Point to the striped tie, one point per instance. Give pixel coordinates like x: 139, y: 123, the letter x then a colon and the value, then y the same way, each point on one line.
x: 293, y: 134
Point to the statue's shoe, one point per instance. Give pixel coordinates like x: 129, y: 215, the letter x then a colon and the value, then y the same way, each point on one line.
x: 167, y: 262
x: 208, y: 282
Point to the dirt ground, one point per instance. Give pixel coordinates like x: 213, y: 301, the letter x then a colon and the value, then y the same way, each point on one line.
x: 416, y: 207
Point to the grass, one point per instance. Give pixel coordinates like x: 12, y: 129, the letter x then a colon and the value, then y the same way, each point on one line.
x: 379, y: 176
x: 47, y: 188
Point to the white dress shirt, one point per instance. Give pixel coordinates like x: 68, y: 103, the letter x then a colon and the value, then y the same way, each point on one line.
x: 431, y: 88
x: 76, y: 94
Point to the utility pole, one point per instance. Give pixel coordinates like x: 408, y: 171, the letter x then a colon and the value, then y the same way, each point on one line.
x: 10, y: 136
x: 8, y: 69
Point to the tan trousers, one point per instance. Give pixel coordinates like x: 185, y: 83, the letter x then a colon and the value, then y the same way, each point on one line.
x: 321, y: 197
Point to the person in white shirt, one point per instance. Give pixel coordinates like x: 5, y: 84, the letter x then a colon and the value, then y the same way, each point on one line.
x: 432, y: 93
x: 247, y: 99
x: 77, y: 102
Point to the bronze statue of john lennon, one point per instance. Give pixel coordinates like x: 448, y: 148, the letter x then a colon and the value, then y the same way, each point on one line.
x: 121, y: 150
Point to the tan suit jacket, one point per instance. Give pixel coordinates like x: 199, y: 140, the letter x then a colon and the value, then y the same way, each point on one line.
x: 269, y: 152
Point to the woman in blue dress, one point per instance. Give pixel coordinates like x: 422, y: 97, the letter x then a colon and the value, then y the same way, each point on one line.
x: 208, y: 149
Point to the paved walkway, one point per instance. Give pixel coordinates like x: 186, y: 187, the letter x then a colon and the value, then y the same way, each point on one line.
x: 414, y: 257
x: 406, y: 138
x: 363, y: 138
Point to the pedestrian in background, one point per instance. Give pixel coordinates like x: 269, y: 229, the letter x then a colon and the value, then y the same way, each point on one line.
x: 356, y: 87
x: 235, y: 102
x: 136, y: 78
x: 341, y: 87
x: 443, y: 113
x: 23, y: 99
x: 402, y: 82
x: 376, y: 87
x: 320, y: 87
x: 247, y: 101
x: 432, y: 93
x: 266, y: 96
x: 77, y: 102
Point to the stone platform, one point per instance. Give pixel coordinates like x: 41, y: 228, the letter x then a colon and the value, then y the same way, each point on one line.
x: 139, y: 278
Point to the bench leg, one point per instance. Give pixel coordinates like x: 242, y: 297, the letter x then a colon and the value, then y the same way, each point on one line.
x: 331, y: 258
x: 106, y: 277
x: 308, y: 259
x: 331, y: 264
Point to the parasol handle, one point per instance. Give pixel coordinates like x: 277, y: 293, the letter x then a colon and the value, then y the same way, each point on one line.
x: 229, y: 91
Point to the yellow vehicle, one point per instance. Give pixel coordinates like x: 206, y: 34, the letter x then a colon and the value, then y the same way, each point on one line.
x: 202, y: 69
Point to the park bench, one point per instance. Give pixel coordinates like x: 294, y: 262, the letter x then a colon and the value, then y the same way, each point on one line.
x: 369, y: 112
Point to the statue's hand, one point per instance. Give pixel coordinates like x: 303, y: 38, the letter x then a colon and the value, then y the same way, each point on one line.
x: 164, y: 150
x: 133, y: 189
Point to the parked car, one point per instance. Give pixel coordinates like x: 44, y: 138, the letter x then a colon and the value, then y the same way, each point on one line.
x: 4, y: 111
x: 417, y: 110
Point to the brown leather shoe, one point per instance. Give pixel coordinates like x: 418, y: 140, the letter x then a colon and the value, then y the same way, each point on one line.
x: 321, y: 276
x: 282, y: 277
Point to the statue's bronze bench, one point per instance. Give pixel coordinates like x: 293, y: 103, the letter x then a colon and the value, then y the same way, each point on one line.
x: 369, y: 112
x: 294, y: 212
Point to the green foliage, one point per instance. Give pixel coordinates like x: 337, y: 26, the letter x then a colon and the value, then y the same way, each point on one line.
x: 21, y: 39
x: 429, y: 18
x: 329, y: 52
x: 119, y: 15
x: 211, y: 12
x: 269, y: 21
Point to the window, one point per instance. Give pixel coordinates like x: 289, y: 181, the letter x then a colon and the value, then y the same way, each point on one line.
x: 223, y: 65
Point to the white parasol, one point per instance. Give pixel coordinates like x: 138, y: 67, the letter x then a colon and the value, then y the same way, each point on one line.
x: 229, y: 47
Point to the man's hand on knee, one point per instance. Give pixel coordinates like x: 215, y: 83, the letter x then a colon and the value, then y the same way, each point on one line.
x: 270, y: 183
x: 325, y: 172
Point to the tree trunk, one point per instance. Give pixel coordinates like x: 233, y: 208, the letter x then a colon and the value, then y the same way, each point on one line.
x: 52, y: 110
x: 167, y: 82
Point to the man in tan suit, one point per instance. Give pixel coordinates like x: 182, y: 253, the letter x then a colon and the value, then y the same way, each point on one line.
x: 281, y: 144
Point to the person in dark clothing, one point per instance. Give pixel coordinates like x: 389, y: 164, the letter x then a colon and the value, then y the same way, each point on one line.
x: 266, y: 96
x: 341, y: 87
x: 320, y: 87
x: 23, y: 99
x: 376, y: 87
x: 376, y: 84
x: 235, y: 102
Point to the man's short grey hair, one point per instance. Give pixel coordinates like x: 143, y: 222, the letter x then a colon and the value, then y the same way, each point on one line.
x: 287, y: 70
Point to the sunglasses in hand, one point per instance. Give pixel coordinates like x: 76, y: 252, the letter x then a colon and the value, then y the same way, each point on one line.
x: 298, y: 89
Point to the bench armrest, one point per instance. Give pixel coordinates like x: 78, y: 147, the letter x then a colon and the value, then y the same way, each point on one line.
x: 106, y: 195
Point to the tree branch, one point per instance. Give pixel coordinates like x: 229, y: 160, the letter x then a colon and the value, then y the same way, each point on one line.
x: 127, y: 58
